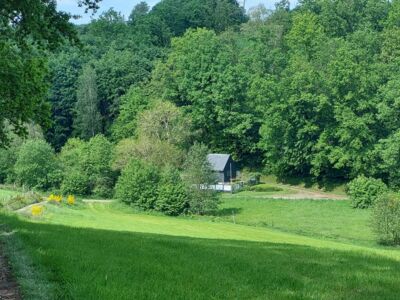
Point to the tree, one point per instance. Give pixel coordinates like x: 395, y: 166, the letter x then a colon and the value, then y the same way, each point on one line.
x: 73, y: 157
x: 88, y: 120
x: 9, y: 155
x: 65, y: 68
x: 172, y: 193
x: 98, y: 166
x: 165, y: 122
x: 36, y: 165
x: 116, y: 72
x: 179, y: 15
x: 137, y: 185
x: 201, y: 75
x: 140, y: 10
x: 199, y: 177
x: 87, y: 166
x: 162, y: 135
x: 132, y: 104
x: 28, y: 30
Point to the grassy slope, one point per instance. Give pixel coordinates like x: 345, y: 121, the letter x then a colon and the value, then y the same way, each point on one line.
x: 318, y: 218
x: 100, y: 252
x: 104, y: 264
x: 337, y: 188
x: 5, y: 194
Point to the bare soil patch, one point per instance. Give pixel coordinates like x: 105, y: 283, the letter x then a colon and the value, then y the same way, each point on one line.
x: 9, y: 289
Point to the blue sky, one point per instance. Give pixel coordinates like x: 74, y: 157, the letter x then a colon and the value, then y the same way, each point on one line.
x: 125, y: 6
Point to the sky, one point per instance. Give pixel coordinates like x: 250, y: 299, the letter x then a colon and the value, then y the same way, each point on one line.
x: 125, y: 7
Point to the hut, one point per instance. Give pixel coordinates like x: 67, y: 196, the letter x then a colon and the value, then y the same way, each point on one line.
x: 223, y: 165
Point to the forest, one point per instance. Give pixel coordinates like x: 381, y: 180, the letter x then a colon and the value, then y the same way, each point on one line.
x: 309, y: 91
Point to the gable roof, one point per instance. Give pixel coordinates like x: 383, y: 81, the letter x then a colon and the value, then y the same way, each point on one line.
x: 218, y: 161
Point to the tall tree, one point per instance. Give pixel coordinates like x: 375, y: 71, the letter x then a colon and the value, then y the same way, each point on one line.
x: 88, y: 120
x: 65, y: 68
x: 28, y: 29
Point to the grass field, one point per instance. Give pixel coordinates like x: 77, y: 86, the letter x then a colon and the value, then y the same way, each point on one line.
x: 100, y: 251
x: 317, y: 218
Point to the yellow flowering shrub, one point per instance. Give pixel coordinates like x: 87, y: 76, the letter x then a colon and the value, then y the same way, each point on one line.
x: 55, y: 198
x: 37, y: 210
x: 71, y: 200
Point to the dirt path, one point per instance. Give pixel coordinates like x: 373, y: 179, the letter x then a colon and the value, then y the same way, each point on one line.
x: 26, y: 208
x: 302, y: 193
x: 9, y: 289
x: 97, y: 201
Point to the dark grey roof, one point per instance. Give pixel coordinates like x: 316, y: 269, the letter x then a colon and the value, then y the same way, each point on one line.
x: 218, y: 161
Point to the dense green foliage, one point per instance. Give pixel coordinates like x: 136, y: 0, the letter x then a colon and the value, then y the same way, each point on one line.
x: 387, y: 218
x: 199, y: 177
x: 172, y: 198
x: 36, y: 165
x: 138, y: 184
x: 87, y: 167
x: 28, y: 31
x: 364, y: 191
x: 308, y: 91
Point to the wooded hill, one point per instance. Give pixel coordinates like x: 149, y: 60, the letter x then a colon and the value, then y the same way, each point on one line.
x: 308, y: 91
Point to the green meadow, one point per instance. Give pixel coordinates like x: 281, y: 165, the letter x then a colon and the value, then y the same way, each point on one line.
x: 107, y: 251
x: 327, y: 219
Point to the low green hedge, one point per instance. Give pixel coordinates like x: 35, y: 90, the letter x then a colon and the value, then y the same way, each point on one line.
x: 264, y: 188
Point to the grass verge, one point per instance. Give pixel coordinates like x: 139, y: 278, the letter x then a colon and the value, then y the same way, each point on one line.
x: 30, y: 275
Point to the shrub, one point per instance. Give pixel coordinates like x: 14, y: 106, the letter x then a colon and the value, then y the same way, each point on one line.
x: 7, y: 161
x: 37, y: 210
x: 172, y: 193
x: 75, y: 182
x: 55, y: 198
x: 98, y: 165
x: 198, y: 176
x: 36, y: 165
x: 264, y: 188
x: 386, y: 217
x: 70, y: 200
x: 137, y: 185
x: 364, y: 191
x: 254, y: 178
x: 88, y: 167
x: 20, y: 201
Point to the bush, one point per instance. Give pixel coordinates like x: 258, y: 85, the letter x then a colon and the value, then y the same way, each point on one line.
x: 172, y: 194
x: 36, y: 165
x: 254, y: 178
x: 98, y: 165
x: 199, y: 176
x: 387, y: 218
x: 7, y: 161
x: 20, y: 201
x: 138, y: 184
x: 264, y: 188
x: 76, y: 183
x: 90, y: 162
x: 364, y: 191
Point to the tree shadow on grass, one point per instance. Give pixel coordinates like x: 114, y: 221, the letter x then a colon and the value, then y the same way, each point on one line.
x: 327, y: 185
x: 223, y: 212
x: 108, y: 264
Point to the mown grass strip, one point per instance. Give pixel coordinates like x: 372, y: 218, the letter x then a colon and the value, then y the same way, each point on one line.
x: 30, y: 275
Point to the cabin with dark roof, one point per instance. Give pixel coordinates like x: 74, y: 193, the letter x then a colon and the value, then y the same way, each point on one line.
x: 223, y: 165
